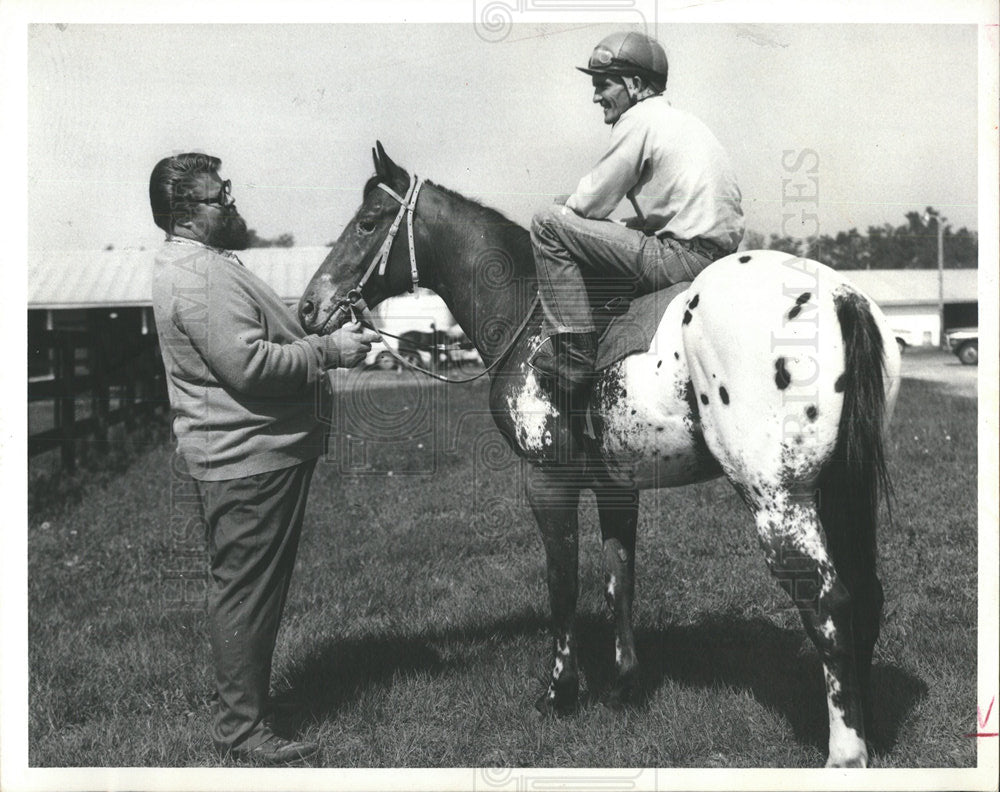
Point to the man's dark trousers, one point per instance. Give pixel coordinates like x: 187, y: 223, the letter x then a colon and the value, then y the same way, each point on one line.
x: 253, y: 526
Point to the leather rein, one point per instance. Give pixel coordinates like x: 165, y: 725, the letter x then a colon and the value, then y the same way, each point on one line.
x: 360, y: 312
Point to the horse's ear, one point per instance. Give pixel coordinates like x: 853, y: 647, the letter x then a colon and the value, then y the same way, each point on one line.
x: 385, y: 167
x: 378, y: 163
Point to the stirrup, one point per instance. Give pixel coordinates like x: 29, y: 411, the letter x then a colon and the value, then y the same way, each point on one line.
x: 570, y: 365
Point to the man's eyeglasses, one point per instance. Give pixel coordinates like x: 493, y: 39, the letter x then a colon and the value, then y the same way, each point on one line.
x: 222, y: 199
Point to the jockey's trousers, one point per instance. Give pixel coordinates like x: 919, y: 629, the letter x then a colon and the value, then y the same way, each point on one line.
x: 581, y: 261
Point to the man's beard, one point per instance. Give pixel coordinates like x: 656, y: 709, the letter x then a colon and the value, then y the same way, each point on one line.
x: 230, y: 233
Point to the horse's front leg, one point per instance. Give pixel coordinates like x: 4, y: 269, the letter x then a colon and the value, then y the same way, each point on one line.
x: 554, y: 495
x: 618, y: 508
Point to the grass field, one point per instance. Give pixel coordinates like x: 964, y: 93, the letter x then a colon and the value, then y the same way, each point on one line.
x: 415, y: 634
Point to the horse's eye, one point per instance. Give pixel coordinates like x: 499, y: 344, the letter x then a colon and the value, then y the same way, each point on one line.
x: 366, y: 226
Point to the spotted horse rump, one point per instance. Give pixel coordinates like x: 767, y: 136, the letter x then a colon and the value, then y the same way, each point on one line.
x: 770, y: 370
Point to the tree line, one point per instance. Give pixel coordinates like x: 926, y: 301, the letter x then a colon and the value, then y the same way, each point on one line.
x: 254, y: 241
x: 912, y: 245
x: 280, y: 241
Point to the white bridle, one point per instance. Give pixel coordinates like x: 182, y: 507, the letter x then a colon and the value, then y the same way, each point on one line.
x: 354, y: 302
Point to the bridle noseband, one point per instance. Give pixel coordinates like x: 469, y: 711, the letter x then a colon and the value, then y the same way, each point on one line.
x: 354, y: 302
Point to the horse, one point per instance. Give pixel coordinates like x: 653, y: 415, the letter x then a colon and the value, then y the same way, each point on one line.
x: 770, y: 370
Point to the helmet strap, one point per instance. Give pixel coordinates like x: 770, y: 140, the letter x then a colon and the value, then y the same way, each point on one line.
x: 635, y: 93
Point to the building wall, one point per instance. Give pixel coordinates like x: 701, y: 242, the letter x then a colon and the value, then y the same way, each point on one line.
x: 125, y: 325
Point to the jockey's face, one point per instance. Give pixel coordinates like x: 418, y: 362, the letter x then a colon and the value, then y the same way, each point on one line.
x: 610, y: 93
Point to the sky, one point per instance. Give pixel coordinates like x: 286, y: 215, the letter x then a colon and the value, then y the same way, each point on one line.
x: 293, y: 111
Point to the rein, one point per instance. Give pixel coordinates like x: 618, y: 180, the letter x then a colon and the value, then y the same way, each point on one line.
x: 359, y: 315
x: 354, y: 302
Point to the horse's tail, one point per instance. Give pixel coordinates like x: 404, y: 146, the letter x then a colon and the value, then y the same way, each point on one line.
x: 855, y: 478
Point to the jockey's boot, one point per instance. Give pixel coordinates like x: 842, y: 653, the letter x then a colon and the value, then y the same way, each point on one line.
x: 570, y: 363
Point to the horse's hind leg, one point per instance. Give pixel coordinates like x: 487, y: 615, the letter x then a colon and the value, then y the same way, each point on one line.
x: 554, y: 495
x: 789, y: 531
x: 855, y: 561
x: 795, y: 375
x: 618, y: 507
x: 868, y: 598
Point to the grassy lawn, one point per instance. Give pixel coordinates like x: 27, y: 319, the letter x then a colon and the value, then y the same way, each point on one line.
x: 415, y: 633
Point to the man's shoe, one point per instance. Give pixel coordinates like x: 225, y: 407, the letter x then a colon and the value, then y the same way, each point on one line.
x: 274, y: 750
x: 570, y: 363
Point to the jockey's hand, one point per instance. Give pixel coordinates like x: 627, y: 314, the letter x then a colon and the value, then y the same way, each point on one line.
x: 348, y: 345
x: 560, y: 199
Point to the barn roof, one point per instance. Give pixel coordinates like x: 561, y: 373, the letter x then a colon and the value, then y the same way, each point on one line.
x: 915, y: 287
x: 123, y: 278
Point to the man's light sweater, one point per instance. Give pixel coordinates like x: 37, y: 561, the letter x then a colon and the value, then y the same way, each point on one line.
x: 673, y: 170
x: 241, y: 375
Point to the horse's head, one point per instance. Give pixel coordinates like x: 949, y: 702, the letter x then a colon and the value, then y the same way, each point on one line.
x: 323, y: 307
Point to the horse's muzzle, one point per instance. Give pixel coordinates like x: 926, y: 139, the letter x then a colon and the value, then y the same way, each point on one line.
x: 320, y: 316
x: 323, y: 316
x: 308, y: 311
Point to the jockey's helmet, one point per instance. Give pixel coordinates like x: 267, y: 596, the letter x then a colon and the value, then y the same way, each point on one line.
x: 629, y: 54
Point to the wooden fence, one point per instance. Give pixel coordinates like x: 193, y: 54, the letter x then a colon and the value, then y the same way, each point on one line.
x: 94, y: 363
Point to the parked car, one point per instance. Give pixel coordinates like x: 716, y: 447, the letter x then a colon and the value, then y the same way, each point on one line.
x: 964, y: 342
x: 450, y: 347
x: 419, y: 321
x: 904, y: 339
x: 381, y: 358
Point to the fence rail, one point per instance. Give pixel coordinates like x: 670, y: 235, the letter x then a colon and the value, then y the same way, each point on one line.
x: 94, y: 361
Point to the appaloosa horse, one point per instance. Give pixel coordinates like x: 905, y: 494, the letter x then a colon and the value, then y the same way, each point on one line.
x: 770, y: 369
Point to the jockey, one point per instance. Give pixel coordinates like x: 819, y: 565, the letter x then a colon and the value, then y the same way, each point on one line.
x: 678, y: 179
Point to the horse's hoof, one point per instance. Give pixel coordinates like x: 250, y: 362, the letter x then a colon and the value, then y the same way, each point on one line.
x: 847, y: 750
x: 617, y: 698
x: 559, y: 700
x: 856, y: 760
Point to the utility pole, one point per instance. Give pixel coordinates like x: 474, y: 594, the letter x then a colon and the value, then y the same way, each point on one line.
x: 940, y: 252
x: 940, y: 218
x: 941, y: 276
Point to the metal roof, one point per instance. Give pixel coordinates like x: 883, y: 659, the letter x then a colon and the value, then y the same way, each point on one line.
x: 59, y: 279
x: 915, y: 287
x: 123, y: 278
x: 86, y: 279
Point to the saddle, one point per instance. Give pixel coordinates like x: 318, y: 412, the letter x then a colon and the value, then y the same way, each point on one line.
x: 627, y: 325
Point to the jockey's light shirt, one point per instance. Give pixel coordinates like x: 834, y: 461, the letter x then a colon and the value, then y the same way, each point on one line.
x: 673, y: 170
x: 241, y: 373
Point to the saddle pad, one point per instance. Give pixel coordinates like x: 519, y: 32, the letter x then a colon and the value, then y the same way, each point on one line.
x: 631, y: 328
